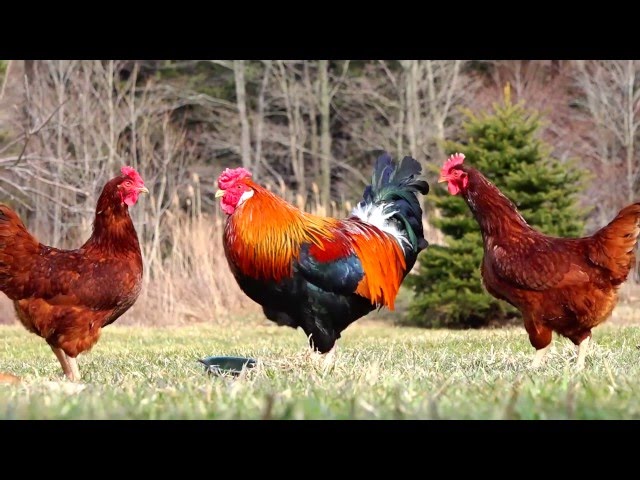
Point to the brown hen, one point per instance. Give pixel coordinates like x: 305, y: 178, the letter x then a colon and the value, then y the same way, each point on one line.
x: 67, y: 296
x: 566, y: 285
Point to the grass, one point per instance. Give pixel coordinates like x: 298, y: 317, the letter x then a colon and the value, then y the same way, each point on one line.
x: 381, y: 372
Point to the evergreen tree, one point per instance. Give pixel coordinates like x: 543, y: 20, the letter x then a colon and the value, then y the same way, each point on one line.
x: 504, y: 145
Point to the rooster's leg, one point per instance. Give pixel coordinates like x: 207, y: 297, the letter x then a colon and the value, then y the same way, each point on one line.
x: 75, y: 372
x: 322, y: 360
x: 330, y: 357
x: 582, y: 352
x: 62, y: 358
x: 540, y: 354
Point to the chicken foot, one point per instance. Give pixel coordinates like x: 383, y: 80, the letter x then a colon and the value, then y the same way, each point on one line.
x: 73, y: 363
x: 62, y: 358
x: 329, y: 358
x: 582, y: 352
x: 540, y: 354
x: 69, y: 365
x: 323, y: 360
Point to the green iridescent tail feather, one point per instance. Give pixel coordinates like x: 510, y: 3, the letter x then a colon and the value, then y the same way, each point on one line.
x: 397, y: 184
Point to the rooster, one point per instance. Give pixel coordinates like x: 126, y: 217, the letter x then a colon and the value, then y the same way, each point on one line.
x: 321, y: 273
x: 566, y: 285
x: 67, y: 296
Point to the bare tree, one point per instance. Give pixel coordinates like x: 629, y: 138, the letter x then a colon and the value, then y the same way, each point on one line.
x: 259, y: 116
x: 77, y: 122
x: 241, y: 100
x: 414, y: 105
x: 101, y: 122
x: 611, y: 97
x: 5, y: 71
x: 325, y: 131
x: 407, y: 108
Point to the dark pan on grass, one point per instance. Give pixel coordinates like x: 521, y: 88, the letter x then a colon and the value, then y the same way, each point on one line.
x: 227, y: 365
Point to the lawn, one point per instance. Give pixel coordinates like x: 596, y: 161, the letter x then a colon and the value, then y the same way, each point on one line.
x: 380, y: 372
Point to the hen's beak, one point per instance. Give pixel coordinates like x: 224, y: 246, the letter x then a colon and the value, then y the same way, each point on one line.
x: 143, y: 190
x: 219, y: 193
x: 442, y: 179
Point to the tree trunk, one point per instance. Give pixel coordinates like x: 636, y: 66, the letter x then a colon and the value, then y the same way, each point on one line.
x: 312, y: 102
x: 60, y: 154
x: 5, y: 80
x: 413, y: 107
x: 112, y: 119
x: 245, y: 139
x: 292, y: 108
x: 431, y: 95
x: 325, y: 133
x: 259, y: 122
x: 630, y: 131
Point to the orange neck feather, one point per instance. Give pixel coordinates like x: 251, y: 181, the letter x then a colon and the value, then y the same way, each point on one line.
x: 264, y: 234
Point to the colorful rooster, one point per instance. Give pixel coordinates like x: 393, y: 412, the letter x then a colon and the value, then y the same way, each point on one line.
x: 321, y: 273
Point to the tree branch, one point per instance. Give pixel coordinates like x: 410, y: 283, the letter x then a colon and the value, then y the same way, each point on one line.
x: 30, y: 133
x: 5, y: 80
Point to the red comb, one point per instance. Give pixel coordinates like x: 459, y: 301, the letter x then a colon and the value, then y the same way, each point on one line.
x: 132, y: 174
x: 230, y: 176
x: 452, y: 161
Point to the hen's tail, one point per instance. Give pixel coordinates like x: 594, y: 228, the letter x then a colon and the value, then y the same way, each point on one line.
x: 613, y: 244
x: 17, y: 246
x: 391, y: 202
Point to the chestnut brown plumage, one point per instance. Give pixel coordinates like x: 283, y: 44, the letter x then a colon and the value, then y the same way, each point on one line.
x: 67, y: 296
x: 566, y: 285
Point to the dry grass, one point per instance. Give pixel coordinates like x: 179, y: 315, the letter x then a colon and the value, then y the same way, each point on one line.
x: 193, y: 281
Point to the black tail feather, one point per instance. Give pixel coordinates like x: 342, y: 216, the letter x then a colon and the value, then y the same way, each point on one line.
x: 398, y: 185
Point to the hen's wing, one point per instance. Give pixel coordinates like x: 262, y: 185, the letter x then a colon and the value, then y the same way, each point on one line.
x: 30, y: 270
x: 539, y: 263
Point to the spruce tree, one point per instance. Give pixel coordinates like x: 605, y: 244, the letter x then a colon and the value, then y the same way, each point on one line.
x: 504, y: 145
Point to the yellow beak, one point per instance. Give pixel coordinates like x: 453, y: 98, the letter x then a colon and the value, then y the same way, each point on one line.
x: 442, y: 179
x: 143, y: 190
x: 219, y: 193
